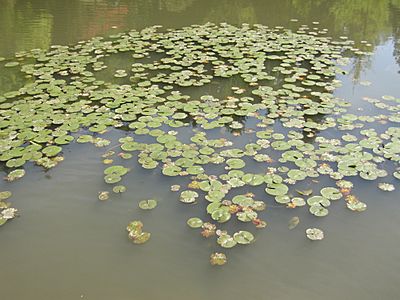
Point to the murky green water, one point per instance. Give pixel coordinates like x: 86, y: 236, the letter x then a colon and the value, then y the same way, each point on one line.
x: 68, y: 245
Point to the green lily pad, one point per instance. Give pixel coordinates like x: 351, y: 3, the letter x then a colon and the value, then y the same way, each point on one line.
x: 112, y: 178
x: 318, y: 210
x: 277, y: 189
x: 243, y: 237
x: 235, y: 163
x: 2, y: 221
x: 194, y: 222
x: 253, y: 179
x: 331, y: 193
x: 247, y: 215
x: 226, y: 241
x: 139, y: 238
x: 356, y: 206
x: 15, y: 174
x: 243, y: 200
x: 221, y: 215
x: 51, y: 150
x: 119, y: 189
x: 318, y: 200
x: 148, y: 204
x: 5, y: 195
x: 188, y: 196
x: 116, y: 170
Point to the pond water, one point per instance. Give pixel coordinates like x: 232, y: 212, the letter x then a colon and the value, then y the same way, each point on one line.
x: 67, y: 244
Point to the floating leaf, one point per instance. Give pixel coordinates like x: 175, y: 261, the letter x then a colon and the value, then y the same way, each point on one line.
x: 243, y: 237
x: 188, y: 196
x: 148, y: 204
x: 104, y: 195
x: 387, y: 187
x: 136, y: 234
x: 15, y: 174
x: 226, y: 241
x: 5, y: 195
x: 2, y: 221
x: 356, y: 206
x: 139, y: 238
x: 218, y: 259
x: 194, y: 222
x: 52, y: 150
x: 9, y: 213
x: 305, y: 192
x: 175, y: 188
x: 235, y: 163
x: 119, y: 189
x: 221, y: 215
x: 116, y: 170
x: 277, y: 189
x: 315, y: 234
x: 331, y: 193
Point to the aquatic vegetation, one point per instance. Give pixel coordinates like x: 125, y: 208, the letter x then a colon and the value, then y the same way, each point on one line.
x: 136, y: 234
x: 293, y: 222
x: 315, y: 234
x: 104, y: 195
x: 6, y: 212
x: 218, y: 259
x: 386, y: 187
x: 15, y: 174
x: 148, y: 204
x: 195, y: 222
x: 270, y: 129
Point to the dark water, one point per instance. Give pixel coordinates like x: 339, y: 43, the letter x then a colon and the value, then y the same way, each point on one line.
x: 68, y: 245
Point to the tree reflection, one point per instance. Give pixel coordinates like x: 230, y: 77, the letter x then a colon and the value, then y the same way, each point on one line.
x: 27, y: 24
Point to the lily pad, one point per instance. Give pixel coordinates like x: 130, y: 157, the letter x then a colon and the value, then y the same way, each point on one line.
x: 188, y: 196
x: 226, y: 241
x: 387, y: 187
x: 243, y: 237
x: 195, y: 222
x: 5, y: 195
x: 104, y: 195
x: 148, y: 204
x: 119, y: 189
x: 277, y: 189
x: 218, y: 259
x: 139, y: 238
x: 315, y: 234
x: 331, y: 193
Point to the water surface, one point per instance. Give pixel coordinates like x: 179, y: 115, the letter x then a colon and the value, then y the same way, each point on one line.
x: 68, y: 245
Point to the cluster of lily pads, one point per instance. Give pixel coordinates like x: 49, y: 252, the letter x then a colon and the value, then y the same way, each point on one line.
x: 6, y: 211
x: 271, y: 130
